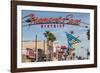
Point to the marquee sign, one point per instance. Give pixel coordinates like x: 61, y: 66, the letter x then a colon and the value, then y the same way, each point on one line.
x: 52, y: 22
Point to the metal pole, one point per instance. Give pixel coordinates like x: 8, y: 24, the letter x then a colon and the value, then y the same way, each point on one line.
x: 44, y: 46
x: 36, y: 48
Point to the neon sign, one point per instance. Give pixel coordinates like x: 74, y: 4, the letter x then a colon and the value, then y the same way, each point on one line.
x: 52, y: 21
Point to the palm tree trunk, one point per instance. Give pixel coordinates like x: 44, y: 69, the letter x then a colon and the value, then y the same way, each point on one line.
x: 48, y: 57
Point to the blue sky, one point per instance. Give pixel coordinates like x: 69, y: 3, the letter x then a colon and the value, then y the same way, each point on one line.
x: 29, y: 33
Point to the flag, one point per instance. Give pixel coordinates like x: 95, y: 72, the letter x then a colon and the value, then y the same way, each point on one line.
x: 72, y: 41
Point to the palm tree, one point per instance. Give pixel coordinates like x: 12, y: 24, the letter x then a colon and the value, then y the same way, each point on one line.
x: 50, y: 39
